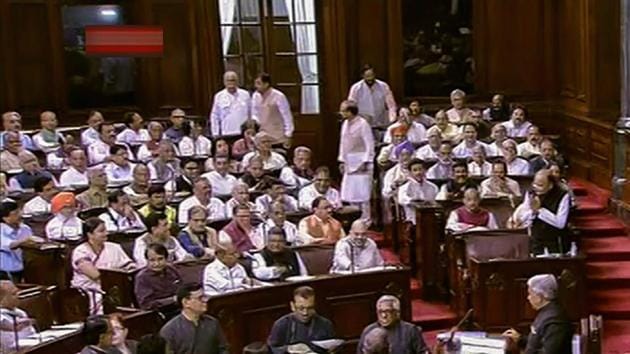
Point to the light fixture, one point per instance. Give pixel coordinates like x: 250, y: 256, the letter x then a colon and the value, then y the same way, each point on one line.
x: 108, y: 12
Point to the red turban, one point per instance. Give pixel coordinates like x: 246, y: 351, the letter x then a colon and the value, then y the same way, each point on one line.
x: 62, y: 200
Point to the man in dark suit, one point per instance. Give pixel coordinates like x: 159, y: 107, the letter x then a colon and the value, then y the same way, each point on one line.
x: 551, y: 331
x: 548, y: 155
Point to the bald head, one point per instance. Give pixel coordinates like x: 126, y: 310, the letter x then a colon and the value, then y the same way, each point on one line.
x: 8, y: 294
x: 542, y: 182
x: 359, y: 227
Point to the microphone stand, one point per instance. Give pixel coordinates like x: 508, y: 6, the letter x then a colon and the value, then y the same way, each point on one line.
x: 15, y: 330
x: 351, y: 257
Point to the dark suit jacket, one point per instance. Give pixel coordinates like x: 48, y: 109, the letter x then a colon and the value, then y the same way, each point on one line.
x: 551, y: 332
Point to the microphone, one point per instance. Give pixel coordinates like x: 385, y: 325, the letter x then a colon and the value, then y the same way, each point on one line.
x: 14, y: 315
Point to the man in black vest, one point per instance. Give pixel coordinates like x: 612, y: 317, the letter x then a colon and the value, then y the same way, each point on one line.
x: 276, y: 261
x: 183, y: 185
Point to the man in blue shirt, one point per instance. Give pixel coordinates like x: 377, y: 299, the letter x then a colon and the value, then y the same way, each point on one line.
x: 13, y: 235
x: 12, y: 121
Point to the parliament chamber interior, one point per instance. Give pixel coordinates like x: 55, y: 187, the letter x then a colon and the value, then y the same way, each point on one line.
x: 315, y: 176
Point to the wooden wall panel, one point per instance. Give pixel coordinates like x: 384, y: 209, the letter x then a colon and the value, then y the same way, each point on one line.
x: 571, y: 51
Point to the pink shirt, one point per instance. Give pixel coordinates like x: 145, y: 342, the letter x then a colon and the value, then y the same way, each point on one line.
x: 112, y: 256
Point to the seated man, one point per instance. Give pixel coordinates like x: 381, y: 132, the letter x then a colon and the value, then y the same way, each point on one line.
x: 13, y: 235
x: 197, y: 238
x: 470, y: 216
x: 397, y: 175
x: 431, y: 150
x: 403, y: 337
x: 443, y: 167
x: 499, y: 135
x: 448, y: 131
x: 454, y: 188
x: 14, y: 322
x: 276, y: 261
x: 246, y: 144
x: 100, y: 150
x: 271, y: 160
x: 96, y: 195
x: 225, y: 274
x: 240, y: 195
x: 183, y: 184
x: 31, y: 171
x: 157, y: 204
x: 157, y: 232
x: 276, y: 192
x: 416, y: 132
x: 376, y: 342
x: 300, y: 174
x: 222, y: 182
x: 119, y: 170
x: 278, y: 218
x: 194, y: 143
x: 478, y: 166
x: 40, y: 204
x: 516, y: 165
x: 531, y: 147
x: 548, y: 155
x: 518, y: 125
x: 416, y: 188
x: 254, y: 176
x: 386, y: 155
x: 499, y: 185
x: 65, y: 225
x: 458, y: 113
x: 320, y: 227
x: 12, y: 122
x: 139, y: 188
x: 90, y: 135
x: 202, y: 195
x: 319, y: 188
x: 240, y: 230
x: 299, y: 329
x: 356, y: 252
x: 176, y: 131
x: 150, y: 149
x: 134, y: 133
x: 465, y: 149
x: 120, y: 216
x: 415, y: 114
x: 48, y: 139
x: 9, y: 157
x: 76, y: 174
x: 165, y: 166
x: 498, y: 110
x: 156, y: 285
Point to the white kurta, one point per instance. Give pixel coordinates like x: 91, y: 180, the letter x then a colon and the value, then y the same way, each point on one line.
x: 463, y: 150
x: 514, y: 131
x: 490, y: 188
x: 273, y: 112
x: 274, y: 162
x: 62, y: 228
x: 457, y: 116
x: 376, y: 103
x: 416, y: 133
x: 518, y: 167
x: 37, y: 205
x: 132, y: 137
x: 356, y: 147
x: 72, y: 177
x: 414, y: 190
x: 216, y: 209
x: 454, y: 224
x: 427, y: 152
x: 219, y: 279
x: 221, y: 185
x: 393, y: 175
x: 528, y: 150
x: 229, y: 112
x: 115, y: 222
x: 475, y: 169
x: 346, y: 257
x: 309, y: 193
x: 201, y: 146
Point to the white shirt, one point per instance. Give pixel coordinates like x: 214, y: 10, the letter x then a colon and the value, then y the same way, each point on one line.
x: 215, y: 207
x: 229, y: 112
x: 474, y: 169
x: 463, y: 151
x: 454, y: 224
x: 7, y: 320
x: 62, y: 228
x: 201, y: 146
x: 309, y: 193
x: 494, y: 149
x: 274, y: 162
x: 140, y: 246
x: 348, y: 257
x: 115, y: 222
x: 98, y: 151
x: 426, y: 152
x: 457, y: 116
x: 440, y: 170
x: 219, y: 279
x: 89, y: 136
x: 37, y: 205
x: 416, y: 133
x: 263, y: 272
x: 518, y: 167
x: 131, y: 137
x: 526, y: 149
x: 558, y: 220
x: 290, y: 231
x: 414, y: 190
x: 72, y: 177
x: 283, y: 107
x: 490, y: 188
x: 373, y: 101
x: 514, y: 131
x: 264, y: 203
x: 119, y: 174
x: 392, y: 175
x: 171, y: 171
x: 45, y: 146
x: 291, y: 180
x: 221, y: 185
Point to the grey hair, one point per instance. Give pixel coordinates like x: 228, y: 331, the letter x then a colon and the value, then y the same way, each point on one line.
x: 389, y: 298
x: 458, y: 93
x: 544, y: 285
x: 302, y: 149
x: 230, y: 73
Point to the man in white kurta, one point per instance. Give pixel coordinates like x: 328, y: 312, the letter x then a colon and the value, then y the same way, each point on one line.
x: 374, y: 98
x: 499, y: 185
x: 518, y: 125
x: 231, y: 107
x: 202, y: 195
x: 225, y: 274
x: 356, y: 252
x: 76, y: 174
x: 271, y: 109
x: 356, y: 153
x: 417, y: 188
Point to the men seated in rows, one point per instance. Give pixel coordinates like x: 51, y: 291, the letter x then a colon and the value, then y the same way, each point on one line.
x: 120, y: 216
x: 118, y: 168
x: 202, y: 195
x: 182, y: 333
x: 278, y: 218
x: 165, y: 166
x: 225, y: 274
x: 14, y: 235
x: 465, y: 148
x: 150, y: 149
x: 300, y: 174
x: 320, y: 187
x: 231, y: 107
x: 194, y: 143
x: 478, y: 166
x: 92, y: 255
x: 254, y: 176
x: 91, y: 134
x: 458, y: 113
x: 100, y: 150
x: 518, y: 125
x: 471, y: 216
x: 498, y: 185
x: 415, y: 132
x: 134, y: 133
x: 320, y: 227
x: 516, y: 166
x: 396, y: 175
x: 198, y: 239
x: 246, y: 144
x: 356, y: 252
x: 498, y: 110
x: 40, y: 204
x: 276, y: 261
x: 139, y: 188
x: 548, y: 155
x: 403, y: 337
x: 65, y: 225
x: 545, y: 210
x: 96, y: 194
x: 155, y: 286
x: 12, y: 122
x: 222, y: 182
x: 156, y: 203
x: 76, y: 174
x: 499, y: 135
x: 455, y: 187
x: 386, y: 155
x: 241, y: 232
x: 531, y: 146
x: 443, y: 167
x: 175, y: 132
x: 240, y: 195
x: 158, y: 232
x: 416, y: 188
x: 448, y: 131
x: 271, y: 160
x: 9, y: 157
x: 31, y: 171
x: 430, y: 150
x: 14, y: 322
x: 276, y: 192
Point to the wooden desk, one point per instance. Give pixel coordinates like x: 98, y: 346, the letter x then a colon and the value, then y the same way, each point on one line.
x: 46, y: 264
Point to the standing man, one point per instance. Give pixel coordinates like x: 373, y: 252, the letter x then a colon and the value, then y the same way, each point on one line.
x: 374, y: 98
x: 192, y: 331
x: 271, y: 109
x: 230, y: 108
x: 356, y: 153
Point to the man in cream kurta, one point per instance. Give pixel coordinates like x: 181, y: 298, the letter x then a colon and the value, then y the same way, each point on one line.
x: 373, y: 97
x: 356, y: 153
x: 230, y: 108
x: 271, y: 109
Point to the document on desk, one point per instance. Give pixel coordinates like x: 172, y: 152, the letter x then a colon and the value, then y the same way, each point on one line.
x: 329, y: 344
x: 50, y: 334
